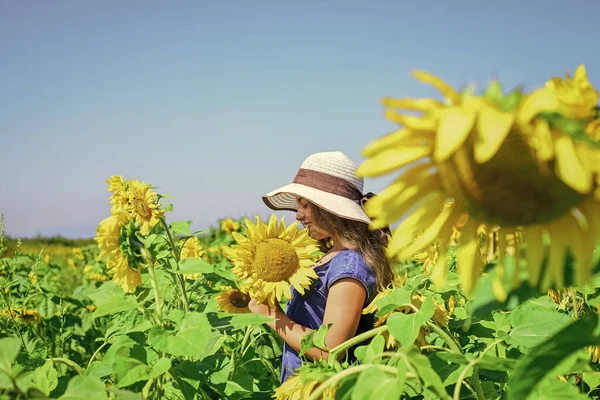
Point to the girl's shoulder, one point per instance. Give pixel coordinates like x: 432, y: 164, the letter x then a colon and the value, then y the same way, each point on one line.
x: 350, y: 264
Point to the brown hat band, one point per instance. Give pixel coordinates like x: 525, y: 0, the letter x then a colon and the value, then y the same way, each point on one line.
x: 327, y: 183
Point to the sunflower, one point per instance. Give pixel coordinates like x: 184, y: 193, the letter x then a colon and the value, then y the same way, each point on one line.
x: 232, y: 301
x: 192, y: 249
x: 295, y: 389
x: 95, y: 276
x: 144, y: 202
x: 271, y: 258
x: 119, y: 198
x: 24, y: 315
x: 229, y: 225
x: 440, y: 315
x: 474, y: 160
x: 112, y: 240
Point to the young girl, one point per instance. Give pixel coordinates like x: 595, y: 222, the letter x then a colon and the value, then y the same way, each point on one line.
x: 327, y: 198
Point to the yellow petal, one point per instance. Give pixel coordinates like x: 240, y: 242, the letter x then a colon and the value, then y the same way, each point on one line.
x: 539, y: 101
x: 543, y: 140
x: 441, y: 228
x: 454, y: 128
x: 569, y: 167
x: 556, y: 256
x: 445, y: 89
x: 391, y: 160
x: 272, y: 227
x: 393, y: 210
x: 492, y: 127
x: 412, y: 104
x: 468, y: 262
x: 425, y: 123
x: 418, y: 220
x: 385, y: 142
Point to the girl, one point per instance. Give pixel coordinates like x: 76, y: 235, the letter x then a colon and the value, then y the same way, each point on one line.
x: 328, y: 200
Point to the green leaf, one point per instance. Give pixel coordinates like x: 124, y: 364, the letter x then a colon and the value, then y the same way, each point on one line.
x: 405, y: 327
x: 395, y: 299
x: 540, y: 361
x: 194, y: 266
x: 9, y: 350
x: 110, y: 299
x: 553, y: 389
x: 431, y: 380
x: 238, y: 321
x: 320, y: 336
x: 120, y: 394
x: 130, y: 370
x: 181, y: 227
x: 46, y: 377
x: 534, y: 322
x: 366, y: 382
x: 592, y: 379
x: 365, y: 353
x: 386, y: 390
x: 487, y: 362
x: 190, y: 339
x: 83, y: 387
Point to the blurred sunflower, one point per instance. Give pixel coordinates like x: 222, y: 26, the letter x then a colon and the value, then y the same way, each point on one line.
x: 487, y: 160
x: 232, y: 301
x: 192, y: 249
x: 119, y: 198
x: 144, y: 202
x: 229, y: 225
x: 271, y: 258
x: 24, y: 315
x: 295, y: 389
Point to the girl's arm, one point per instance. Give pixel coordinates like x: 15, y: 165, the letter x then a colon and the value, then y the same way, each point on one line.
x: 343, y: 310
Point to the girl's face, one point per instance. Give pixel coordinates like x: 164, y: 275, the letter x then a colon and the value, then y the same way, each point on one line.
x: 304, y: 215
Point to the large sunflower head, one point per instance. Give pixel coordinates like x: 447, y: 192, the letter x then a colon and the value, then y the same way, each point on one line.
x: 144, y: 204
x: 232, y: 300
x: 271, y: 258
x: 508, y: 160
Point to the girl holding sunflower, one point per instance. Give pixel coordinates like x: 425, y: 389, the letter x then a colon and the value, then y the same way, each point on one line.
x: 328, y: 200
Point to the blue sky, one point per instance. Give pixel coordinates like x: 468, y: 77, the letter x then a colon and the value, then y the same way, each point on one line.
x: 217, y: 103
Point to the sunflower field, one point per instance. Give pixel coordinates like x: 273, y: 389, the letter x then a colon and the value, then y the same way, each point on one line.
x: 496, y: 258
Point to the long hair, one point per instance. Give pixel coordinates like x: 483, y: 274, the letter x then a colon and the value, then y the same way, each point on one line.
x: 356, y: 235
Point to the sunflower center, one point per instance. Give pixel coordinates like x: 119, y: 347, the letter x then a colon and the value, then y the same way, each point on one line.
x: 239, y: 299
x: 511, y: 189
x: 275, y: 260
x: 141, y: 208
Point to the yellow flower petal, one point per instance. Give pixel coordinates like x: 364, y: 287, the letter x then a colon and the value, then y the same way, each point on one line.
x: 449, y: 93
x: 492, y: 127
x: 454, y: 128
x: 569, y: 168
x: 541, y: 100
x: 390, y: 160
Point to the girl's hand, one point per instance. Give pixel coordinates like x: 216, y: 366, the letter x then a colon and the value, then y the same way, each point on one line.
x: 261, y: 308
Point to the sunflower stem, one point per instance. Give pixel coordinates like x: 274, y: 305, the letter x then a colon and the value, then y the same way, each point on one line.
x: 177, y: 254
x: 476, y: 383
x: 157, y: 298
x: 333, y: 353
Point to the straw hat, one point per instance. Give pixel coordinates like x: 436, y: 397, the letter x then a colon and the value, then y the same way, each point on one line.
x: 328, y: 180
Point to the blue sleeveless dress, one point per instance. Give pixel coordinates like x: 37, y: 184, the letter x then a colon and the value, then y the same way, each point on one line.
x: 308, y: 310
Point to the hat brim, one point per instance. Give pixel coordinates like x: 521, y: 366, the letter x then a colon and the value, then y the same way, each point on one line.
x: 284, y: 198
